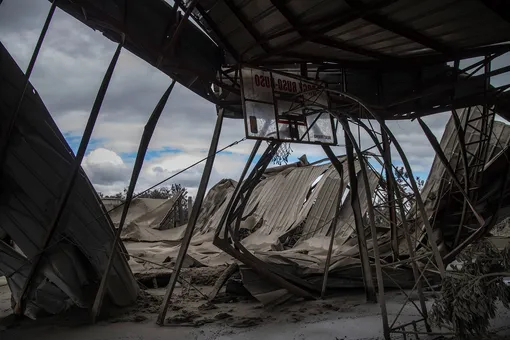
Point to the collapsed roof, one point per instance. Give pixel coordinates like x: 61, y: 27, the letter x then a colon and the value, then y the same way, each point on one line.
x: 38, y: 159
x: 483, y: 166
x: 287, y: 221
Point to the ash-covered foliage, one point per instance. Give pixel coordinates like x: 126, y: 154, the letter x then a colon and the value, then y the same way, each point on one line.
x: 469, y: 294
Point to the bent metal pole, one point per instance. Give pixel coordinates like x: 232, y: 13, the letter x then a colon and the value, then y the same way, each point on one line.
x: 373, y: 230
x: 4, y: 143
x: 339, y: 168
x: 142, y: 150
x: 68, y: 185
x: 193, y: 218
x: 358, y: 217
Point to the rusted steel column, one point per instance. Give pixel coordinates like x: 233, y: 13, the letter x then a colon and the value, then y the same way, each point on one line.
x: 193, y: 218
x: 5, y: 140
x: 142, y: 150
x: 373, y: 231
x: 338, y: 166
x: 68, y: 185
x: 391, y: 196
x: 358, y: 218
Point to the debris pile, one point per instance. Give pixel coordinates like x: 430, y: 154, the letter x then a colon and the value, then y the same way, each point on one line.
x: 286, y: 222
x: 482, y: 166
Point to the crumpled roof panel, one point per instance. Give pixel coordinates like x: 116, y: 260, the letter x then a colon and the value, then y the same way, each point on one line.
x: 38, y: 160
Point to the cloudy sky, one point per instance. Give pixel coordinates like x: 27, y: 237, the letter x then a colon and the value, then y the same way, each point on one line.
x: 68, y: 73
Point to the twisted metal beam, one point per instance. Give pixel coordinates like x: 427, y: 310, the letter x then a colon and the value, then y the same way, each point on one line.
x: 407, y: 166
x: 405, y: 226
x: 204, y: 181
x: 338, y: 166
x: 358, y: 217
x: 142, y: 150
x: 373, y: 231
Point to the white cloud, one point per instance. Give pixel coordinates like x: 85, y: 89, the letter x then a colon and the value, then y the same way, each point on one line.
x: 68, y: 74
x: 103, y: 156
x: 104, y: 167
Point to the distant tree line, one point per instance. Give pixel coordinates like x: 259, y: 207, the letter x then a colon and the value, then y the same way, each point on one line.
x: 158, y: 193
x: 180, y: 211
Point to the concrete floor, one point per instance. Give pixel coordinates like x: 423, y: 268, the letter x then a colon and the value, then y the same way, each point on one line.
x: 357, y: 321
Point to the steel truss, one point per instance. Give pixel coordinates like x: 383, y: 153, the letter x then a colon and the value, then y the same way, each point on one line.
x: 422, y: 256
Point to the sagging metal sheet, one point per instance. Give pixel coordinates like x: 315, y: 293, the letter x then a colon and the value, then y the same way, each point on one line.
x: 38, y: 160
x: 143, y: 212
x: 288, y: 216
x: 55, y: 290
x: 486, y: 176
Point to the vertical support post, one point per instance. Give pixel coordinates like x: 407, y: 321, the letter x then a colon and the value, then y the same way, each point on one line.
x: 181, y: 212
x: 358, y: 218
x: 373, y: 231
x: 339, y: 168
x: 5, y: 141
x: 390, y: 195
x: 303, y: 67
x: 193, y: 218
x: 461, y: 136
x: 190, y: 207
x: 487, y: 84
x: 175, y: 213
x: 68, y: 185
x: 142, y: 149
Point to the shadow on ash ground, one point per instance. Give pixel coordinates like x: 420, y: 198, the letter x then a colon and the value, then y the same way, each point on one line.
x: 190, y: 316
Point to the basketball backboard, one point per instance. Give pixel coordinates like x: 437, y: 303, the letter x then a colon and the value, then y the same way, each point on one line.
x: 286, y: 108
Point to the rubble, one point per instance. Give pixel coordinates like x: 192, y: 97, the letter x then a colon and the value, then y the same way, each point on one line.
x: 286, y: 222
x: 454, y: 223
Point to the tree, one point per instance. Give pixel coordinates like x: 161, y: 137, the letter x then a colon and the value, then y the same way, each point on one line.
x: 402, y: 177
x: 469, y: 293
x: 158, y: 193
x: 181, y: 206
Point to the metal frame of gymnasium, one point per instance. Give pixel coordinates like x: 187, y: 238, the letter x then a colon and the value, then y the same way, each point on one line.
x: 316, y: 41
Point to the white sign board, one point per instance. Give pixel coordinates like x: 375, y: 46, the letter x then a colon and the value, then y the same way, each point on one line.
x: 285, y: 108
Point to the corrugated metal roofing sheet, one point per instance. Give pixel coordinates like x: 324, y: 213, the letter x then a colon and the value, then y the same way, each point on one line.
x: 391, y: 27
x: 38, y: 159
